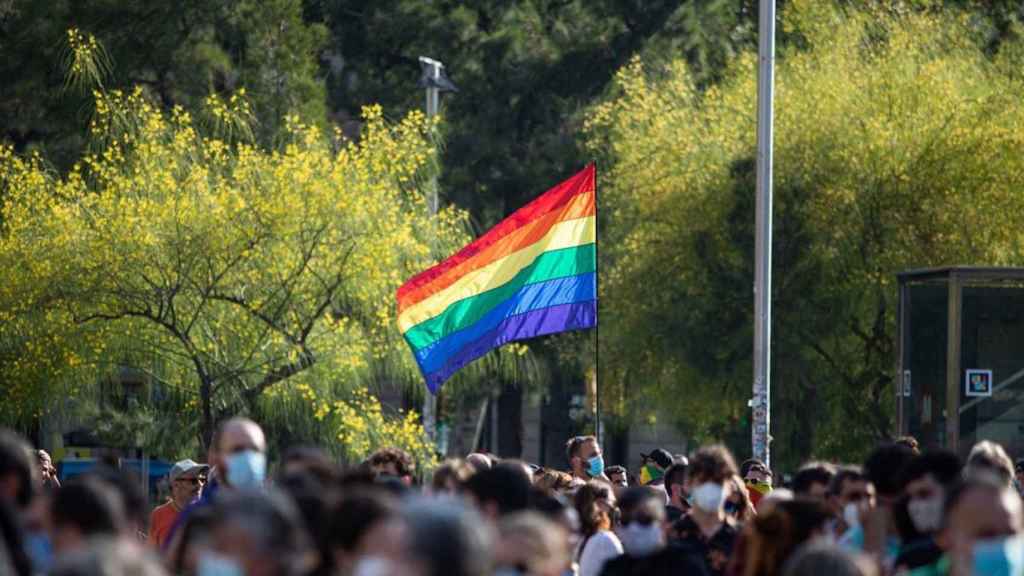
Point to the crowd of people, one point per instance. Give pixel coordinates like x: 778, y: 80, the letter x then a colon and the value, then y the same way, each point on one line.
x: 902, y: 512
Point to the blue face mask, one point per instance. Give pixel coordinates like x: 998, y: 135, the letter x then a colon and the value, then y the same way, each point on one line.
x: 998, y: 557
x: 213, y: 564
x: 39, y: 550
x: 247, y: 469
x: 595, y: 466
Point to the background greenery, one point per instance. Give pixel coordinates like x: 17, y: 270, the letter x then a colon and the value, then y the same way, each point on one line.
x: 896, y: 125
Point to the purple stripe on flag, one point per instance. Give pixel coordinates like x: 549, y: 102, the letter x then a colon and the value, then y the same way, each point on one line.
x: 550, y: 320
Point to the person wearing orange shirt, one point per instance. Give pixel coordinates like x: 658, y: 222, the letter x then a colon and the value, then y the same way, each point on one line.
x: 187, y: 479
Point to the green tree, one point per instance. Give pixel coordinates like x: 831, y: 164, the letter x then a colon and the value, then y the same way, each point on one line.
x: 897, y: 146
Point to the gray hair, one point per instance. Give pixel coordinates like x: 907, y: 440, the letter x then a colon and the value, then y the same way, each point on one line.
x: 449, y: 538
x: 816, y: 558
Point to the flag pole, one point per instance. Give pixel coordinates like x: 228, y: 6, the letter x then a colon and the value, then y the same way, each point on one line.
x: 432, y: 106
x: 761, y: 402
x: 598, y: 431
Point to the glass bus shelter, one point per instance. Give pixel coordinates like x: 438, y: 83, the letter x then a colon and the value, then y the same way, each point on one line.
x: 961, y: 357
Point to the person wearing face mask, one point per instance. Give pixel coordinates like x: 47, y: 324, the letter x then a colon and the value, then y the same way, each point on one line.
x: 877, y: 533
x: 926, y: 480
x: 980, y: 535
x: 595, y: 504
x: 643, y: 538
x: 706, y: 528
x: 585, y: 458
x: 675, y: 485
x: 238, y: 454
x: 850, y: 495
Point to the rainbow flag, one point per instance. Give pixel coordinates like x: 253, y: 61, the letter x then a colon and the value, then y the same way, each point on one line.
x: 535, y: 273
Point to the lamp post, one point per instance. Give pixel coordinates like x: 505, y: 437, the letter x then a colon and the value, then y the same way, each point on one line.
x: 761, y: 402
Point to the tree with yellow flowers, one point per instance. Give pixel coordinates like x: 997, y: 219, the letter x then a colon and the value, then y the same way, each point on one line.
x: 898, y: 144
x: 219, y: 268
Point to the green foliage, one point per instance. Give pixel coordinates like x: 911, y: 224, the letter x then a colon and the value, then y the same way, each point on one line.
x: 897, y: 146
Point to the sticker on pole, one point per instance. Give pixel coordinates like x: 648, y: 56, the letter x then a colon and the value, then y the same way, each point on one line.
x: 979, y: 382
x: 906, y: 383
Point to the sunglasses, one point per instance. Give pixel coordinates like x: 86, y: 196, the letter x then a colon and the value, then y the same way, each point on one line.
x: 192, y: 481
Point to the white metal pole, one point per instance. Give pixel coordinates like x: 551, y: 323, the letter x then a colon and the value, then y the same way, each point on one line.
x: 761, y: 402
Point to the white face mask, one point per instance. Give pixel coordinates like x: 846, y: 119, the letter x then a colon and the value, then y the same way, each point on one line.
x: 214, y: 564
x: 926, y: 514
x: 708, y: 496
x: 374, y: 566
x: 640, y: 539
x: 851, y: 514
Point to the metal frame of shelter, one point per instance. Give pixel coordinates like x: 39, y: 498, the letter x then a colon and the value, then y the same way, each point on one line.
x: 955, y: 278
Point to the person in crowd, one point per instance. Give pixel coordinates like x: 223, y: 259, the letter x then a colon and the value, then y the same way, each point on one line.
x: 642, y: 534
x: 876, y: 532
x: 773, y: 537
x: 501, y: 490
x: 479, y: 462
x: 14, y: 558
x: 309, y: 460
x: 108, y: 557
x: 451, y: 476
x: 195, y: 538
x: 47, y: 472
x: 707, y: 528
x: 128, y: 486
x: 257, y: 533
x: 556, y: 508
x: 186, y: 480
x: 553, y: 480
x: 812, y: 480
x: 86, y: 508
x: 394, y: 463
x: 850, y: 495
x: 18, y: 480
x: 926, y: 480
x: 364, y: 526
x: 989, y: 458
x: 654, y: 465
x: 443, y: 538
x: 738, y: 506
x: 314, y: 501
x: 531, y: 544
x: 772, y: 499
x: 675, y: 485
x: 1018, y: 480
x: 979, y: 517
x: 910, y: 442
x: 239, y: 462
x: 758, y: 479
x: 818, y: 559
x: 595, y: 503
x: 618, y: 476
x: 584, y: 456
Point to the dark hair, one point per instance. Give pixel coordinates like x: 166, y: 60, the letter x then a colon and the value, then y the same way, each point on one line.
x: 585, y: 501
x: 16, y: 458
x: 748, y: 464
x: 961, y: 489
x: 14, y: 540
x: 314, y: 461
x: 910, y: 442
x: 356, y: 513
x: 713, y: 462
x: 615, y: 470
x: 810, y: 474
x: 572, y: 447
x: 314, y: 501
x: 197, y: 527
x: 676, y: 474
x: 91, y: 505
x: 506, y: 485
x: 943, y: 465
x: 448, y: 538
x: 883, y: 466
x: 272, y: 521
x: 642, y: 504
x: 128, y: 486
x: 776, y: 535
x: 404, y: 464
x: 842, y: 476
x: 454, y: 470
